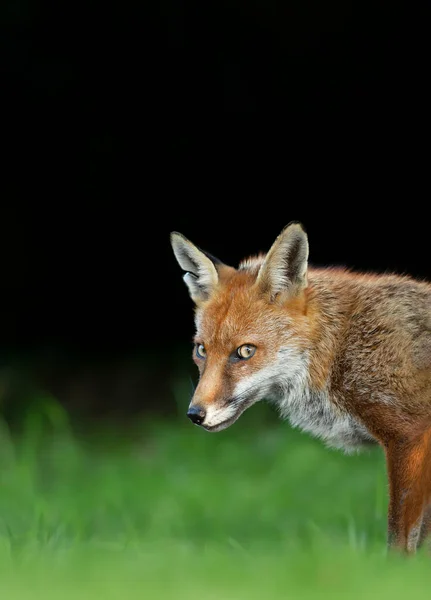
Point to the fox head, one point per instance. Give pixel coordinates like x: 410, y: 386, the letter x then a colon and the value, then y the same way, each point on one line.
x: 251, y: 326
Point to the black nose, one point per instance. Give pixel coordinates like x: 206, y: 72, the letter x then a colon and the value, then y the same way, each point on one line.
x: 196, y: 414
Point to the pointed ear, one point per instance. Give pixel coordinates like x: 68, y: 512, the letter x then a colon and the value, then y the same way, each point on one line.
x: 285, y: 266
x: 201, y: 274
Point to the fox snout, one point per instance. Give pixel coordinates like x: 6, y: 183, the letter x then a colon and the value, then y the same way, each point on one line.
x: 214, y: 417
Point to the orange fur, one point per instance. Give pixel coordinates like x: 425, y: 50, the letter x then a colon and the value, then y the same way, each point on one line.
x: 346, y: 356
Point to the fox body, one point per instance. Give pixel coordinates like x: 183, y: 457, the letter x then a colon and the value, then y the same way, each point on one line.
x: 344, y: 356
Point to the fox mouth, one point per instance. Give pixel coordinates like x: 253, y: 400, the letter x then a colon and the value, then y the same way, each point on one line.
x: 234, y: 417
x: 223, y: 424
x: 219, y: 426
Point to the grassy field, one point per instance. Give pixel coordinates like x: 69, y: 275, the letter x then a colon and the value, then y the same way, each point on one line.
x: 170, y: 511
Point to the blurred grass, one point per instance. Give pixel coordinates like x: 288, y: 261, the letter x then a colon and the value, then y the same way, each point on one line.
x: 171, y: 511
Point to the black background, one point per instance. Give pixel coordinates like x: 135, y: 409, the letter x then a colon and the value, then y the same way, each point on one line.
x: 222, y: 120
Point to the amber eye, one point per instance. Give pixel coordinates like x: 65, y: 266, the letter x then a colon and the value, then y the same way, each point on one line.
x: 200, y: 351
x: 246, y: 351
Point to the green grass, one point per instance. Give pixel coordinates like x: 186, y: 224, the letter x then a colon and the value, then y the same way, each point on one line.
x: 256, y: 511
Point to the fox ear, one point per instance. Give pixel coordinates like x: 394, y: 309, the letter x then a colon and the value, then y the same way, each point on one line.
x: 201, y: 274
x: 285, y: 266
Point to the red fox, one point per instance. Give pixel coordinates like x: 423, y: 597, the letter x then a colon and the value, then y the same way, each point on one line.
x: 345, y: 356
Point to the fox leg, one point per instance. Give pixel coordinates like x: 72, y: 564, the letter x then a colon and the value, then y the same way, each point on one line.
x: 409, y: 473
x: 425, y: 535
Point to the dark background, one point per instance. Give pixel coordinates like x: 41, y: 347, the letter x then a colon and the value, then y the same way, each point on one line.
x: 221, y: 120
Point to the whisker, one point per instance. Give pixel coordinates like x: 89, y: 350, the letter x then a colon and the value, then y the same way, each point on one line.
x: 192, y: 384
x: 264, y: 387
x: 193, y: 387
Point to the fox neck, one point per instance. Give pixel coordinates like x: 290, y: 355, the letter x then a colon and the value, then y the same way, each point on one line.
x: 308, y: 369
x: 328, y: 314
x: 313, y: 410
x: 304, y: 394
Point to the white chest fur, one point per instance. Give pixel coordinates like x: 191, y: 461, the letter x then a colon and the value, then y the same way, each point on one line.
x: 315, y: 413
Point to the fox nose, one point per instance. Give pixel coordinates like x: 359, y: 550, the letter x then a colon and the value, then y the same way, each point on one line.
x: 196, y: 414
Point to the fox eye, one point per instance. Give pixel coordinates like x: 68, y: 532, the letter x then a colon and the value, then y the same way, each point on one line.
x: 200, y: 351
x: 246, y: 351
